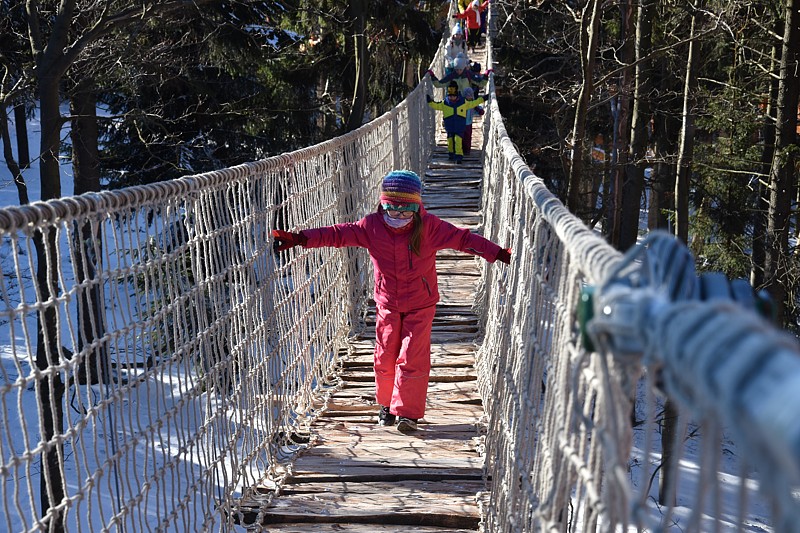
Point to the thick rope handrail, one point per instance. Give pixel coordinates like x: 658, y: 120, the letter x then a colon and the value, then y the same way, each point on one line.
x: 13, y: 218
x: 719, y: 360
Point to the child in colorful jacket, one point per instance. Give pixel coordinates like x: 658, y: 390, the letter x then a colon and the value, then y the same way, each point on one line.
x: 462, y: 75
x: 402, y: 240
x: 454, y: 111
x: 469, y: 95
x: 456, y: 46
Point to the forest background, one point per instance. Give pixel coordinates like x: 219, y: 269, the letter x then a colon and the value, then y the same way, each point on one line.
x: 683, y: 110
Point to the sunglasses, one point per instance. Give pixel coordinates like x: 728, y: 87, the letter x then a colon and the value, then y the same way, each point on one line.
x: 393, y: 213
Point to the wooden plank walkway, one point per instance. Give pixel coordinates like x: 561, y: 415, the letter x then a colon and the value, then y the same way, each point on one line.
x: 361, y: 477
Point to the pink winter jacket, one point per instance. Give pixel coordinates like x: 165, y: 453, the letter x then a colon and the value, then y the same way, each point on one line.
x: 404, y: 281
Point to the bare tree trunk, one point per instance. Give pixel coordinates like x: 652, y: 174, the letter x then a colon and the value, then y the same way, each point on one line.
x: 84, y: 134
x: 13, y: 166
x: 357, y: 41
x: 51, y: 390
x: 50, y: 66
x: 590, y: 25
x: 93, y: 367
x: 621, y: 113
x: 686, y: 146
x: 666, y: 128
x: 758, y: 256
x: 669, y: 429
x: 21, y: 126
x: 634, y: 171
x: 781, y: 186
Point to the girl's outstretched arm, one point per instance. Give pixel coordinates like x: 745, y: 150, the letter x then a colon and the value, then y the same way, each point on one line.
x: 338, y: 235
x: 446, y: 235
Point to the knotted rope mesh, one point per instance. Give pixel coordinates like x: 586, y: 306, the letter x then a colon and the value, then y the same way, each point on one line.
x: 163, y: 363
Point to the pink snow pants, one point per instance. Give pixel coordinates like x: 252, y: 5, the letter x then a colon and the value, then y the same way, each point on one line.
x: 403, y: 359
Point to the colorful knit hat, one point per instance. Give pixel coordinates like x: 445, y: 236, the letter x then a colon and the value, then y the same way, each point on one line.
x: 401, y: 188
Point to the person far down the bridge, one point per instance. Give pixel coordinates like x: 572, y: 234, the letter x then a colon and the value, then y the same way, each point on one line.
x: 455, y: 110
x: 402, y: 239
x: 464, y: 74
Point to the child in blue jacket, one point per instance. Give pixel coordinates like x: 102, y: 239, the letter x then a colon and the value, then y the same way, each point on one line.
x: 454, y: 111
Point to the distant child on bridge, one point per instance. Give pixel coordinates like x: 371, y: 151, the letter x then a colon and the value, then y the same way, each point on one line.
x: 454, y: 110
x: 469, y: 95
x: 462, y: 75
x: 402, y: 240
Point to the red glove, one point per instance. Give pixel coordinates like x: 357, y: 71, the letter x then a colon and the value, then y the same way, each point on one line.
x: 283, y: 240
x: 431, y: 74
x: 504, y: 256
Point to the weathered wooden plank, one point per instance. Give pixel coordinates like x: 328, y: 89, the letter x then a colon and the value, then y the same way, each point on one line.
x: 446, y: 454
x: 368, y: 488
x: 456, y: 392
x: 362, y: 474
x: 359, y: 528
x: 465, y: 202
x: 398, y: 507
x: 365, y: 361
x: 466, y: 187
x: 465, y: 328
x: 343, y: 460
x: 368, y: 435
x: 366, y: 344
x: 438, y: 360
x: 458, y: 270
x: 440, y: 374
x: 434, y: 175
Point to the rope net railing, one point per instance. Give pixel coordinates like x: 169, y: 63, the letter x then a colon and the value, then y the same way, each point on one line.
x: 161, y: 362
x: 590, y: 358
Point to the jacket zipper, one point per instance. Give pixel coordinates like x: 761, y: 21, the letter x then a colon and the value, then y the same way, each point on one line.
x: 427, y: 287
x: 410, y: 264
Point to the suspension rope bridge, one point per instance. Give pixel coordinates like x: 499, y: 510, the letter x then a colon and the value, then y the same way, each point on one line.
x: 165, y: 371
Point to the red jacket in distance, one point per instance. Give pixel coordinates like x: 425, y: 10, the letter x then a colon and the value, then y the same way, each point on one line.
x: 472, y: 16
x: 404, y: 281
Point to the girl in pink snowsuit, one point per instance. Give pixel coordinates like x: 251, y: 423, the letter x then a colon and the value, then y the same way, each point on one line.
x: 402, y: 239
